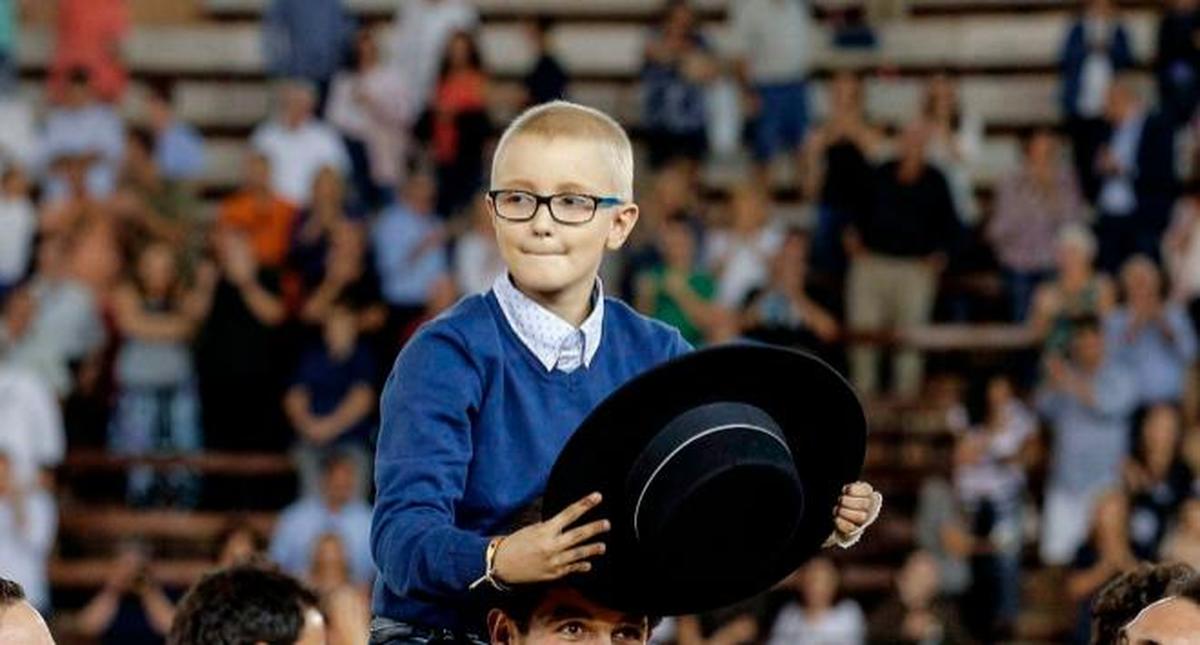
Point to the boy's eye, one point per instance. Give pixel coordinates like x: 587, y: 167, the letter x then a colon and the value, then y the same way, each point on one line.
x: 574, y: 201
x: 515, y: 199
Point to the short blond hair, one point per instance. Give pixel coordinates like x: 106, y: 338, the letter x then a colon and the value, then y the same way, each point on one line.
x: 572, y: 120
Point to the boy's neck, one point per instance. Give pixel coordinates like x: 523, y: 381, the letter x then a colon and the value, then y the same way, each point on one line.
x: 573, y: 304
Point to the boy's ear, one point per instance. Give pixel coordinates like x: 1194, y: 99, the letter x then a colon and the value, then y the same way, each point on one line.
x: 500, y: 628
x: 622, y: 225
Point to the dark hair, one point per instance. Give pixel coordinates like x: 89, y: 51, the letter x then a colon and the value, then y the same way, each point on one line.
x: 247, y: 603
x: 1186, y: 586
x: 1129, y: 593
x: 337, y: 457
x: 1085, y: 322
x: 520, y: 602
x: 11, y: 592
x: 474, y: 58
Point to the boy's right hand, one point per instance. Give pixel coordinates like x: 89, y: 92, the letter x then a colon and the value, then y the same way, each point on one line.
x: 549, y: 550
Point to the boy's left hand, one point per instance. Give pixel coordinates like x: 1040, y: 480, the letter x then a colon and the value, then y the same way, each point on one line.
x: 857, y: 508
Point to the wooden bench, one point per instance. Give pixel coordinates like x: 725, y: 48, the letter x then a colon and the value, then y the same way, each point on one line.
x: 238, y: 464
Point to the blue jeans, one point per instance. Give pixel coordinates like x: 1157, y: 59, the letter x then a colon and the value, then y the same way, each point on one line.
x: 782, y: 120
x: 165, y: 421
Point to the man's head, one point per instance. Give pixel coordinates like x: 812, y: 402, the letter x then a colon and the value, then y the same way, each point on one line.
x: 1087, y: 342
x: 1076, y: 249
x: 1142, y: 282
x: 1120, y: 600
x: 256, y: 171
x: 248, y: 604
x: 158, y: 107
x: 20, y: 623
x: 561, y: 614
x: 562, y: 148
x: 917, y: 583
x: 297, y: 101
x: 79, y: 88
x: 339, y: 478
x: 1173, y: 620
x: 340, y: 330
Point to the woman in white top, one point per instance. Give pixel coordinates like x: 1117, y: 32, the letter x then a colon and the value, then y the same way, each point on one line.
x: 955, y: 142
x: 815, y: 616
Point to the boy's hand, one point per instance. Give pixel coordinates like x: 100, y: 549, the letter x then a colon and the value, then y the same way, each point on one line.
x: 548, y: 550
x: 857, y: 508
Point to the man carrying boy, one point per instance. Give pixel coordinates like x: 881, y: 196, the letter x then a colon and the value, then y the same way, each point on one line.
x: 482, y: 400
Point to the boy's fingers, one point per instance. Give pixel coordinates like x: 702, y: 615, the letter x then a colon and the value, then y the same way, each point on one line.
x: 583, y: 533
x: 575, y: 511
x: 858, y: 517
x: 577, y: 554
x: 856, y: 503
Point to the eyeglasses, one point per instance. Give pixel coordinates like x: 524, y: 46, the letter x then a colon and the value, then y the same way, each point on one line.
x: 565, y: 208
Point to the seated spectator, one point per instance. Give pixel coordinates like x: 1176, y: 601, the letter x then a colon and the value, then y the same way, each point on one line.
x: 1104, y: 555
x: 132, y: 607
x: 157, y: 410
x: 1156, y: 479
x: 314, y: 228
x: 371, y: 105
x: 1153, y: 338
x: 1137, y: 179
x: 346, y: 607
x: 80, y: 126
x: 897, y: 251
x: 18, y: 224
x: 1077, y: 291
x: 546, y: 80
x: 740, y: 254
x: 815, y: 615
x: 20, y: 622
x: 238, y: 543
x: 331, y: 398
x: 28, y: 523
x: 409, y: 243
x: 1182, y: 543
x: 1122, y: 599
x: 839, y: 172
x: 248, y: 603
x: 297, y: 144
x: 955, y: 142
x: 782, y: 312
x: 1096, y: 48
x: 1181, y: 252
x: 456, y: 123
x: 680, y: 293
x: 477, y: 262
x: 677, y: 67
x: 335, y: 508
x: 178, y: 148
x: 33, y: 437
x: 238, y: 351
x: 1087, y: 402
x: 306, y: 39
x: 349, y: 278
x: 158, y: 208
x: 1033, y: 205
x: 88, y: 35
x: 915, y: 614
x: 1175, y: 67
x: 256, y: 211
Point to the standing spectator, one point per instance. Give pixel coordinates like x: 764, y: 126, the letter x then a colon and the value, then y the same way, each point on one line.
x: 1087, y: 402
x: 349, y: 278
x: 1153, y: 338
x: 897, y: 251
x: 297, y: 144
x: 422, y: 29
x: 409, y: 242
x: 258, y: 213
x: 1181, y: 252
x: 680, y: 292
x: 546, y: 80
x: 314, y: 228
x: 28, y: 523
x: 1182, y: 543
x: 1156, y: 478
x: 1033, y: 204
x: 1176, y: 67
x: 1106, y: 554
x: 1096, y: 48
x: 307, y: 39
x: 80, y: 126
x: 132, y: 608
x: 158, y: 208
x: 477, y: 262
x: 178, y: 148
x: 331, y: 398
x: 740, y: 254
x: 839, y: 171
x: 782, y: 312
x: 1076, y: 291
x: 157, y: 410
x: 915, y: 614
x: 372, y: 107
x: 89, y: 35
x: 773, y: 45
x: 955, y: 143
x: 335, y: 508
x: 18, y: 223
x: 1138, y: 182
x: 815, y: 615
x: 456, y: 124
x: 677, y: 68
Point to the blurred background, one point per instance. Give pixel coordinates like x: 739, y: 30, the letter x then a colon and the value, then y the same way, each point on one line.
x: 221, y: 219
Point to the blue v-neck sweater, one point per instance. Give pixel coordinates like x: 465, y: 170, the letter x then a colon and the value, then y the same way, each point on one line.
x: 471, y: 426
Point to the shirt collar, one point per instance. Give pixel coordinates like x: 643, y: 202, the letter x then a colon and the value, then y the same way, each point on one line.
x: 542, y: 331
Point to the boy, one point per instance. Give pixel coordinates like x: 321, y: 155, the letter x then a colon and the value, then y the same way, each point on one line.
x: 483, y: 399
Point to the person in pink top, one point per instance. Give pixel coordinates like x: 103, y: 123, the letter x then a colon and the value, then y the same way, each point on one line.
x: 89, y: 34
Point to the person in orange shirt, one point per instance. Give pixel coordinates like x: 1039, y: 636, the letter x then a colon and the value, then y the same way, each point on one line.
x: 256, y: 211
x: 89, y: 34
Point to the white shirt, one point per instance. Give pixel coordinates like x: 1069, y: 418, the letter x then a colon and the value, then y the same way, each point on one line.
x: 31, y: 428
x: 18, y: 137
x: 24, y: 550
x: 1097, y: 71
x: 419, y: 39
x: 775, y: 37
x: 843, y: 624
x: 742, y: 261
x: 93, y: 129
x: 298, y: 154
x: 555, y: 342
x: 17, y: 226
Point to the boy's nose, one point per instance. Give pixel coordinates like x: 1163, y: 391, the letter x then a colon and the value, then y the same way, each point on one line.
x: 542, y: 222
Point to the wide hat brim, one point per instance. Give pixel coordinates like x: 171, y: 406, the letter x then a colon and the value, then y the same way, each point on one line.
x: 738, y: 546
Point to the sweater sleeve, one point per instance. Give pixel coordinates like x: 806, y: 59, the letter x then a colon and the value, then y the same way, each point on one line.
x: 421, y: 464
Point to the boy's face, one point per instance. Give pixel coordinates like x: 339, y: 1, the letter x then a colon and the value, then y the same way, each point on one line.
x: 546, y: 258
x: 566, y: 616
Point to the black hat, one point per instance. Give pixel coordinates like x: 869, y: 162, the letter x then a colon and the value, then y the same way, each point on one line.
x: 720, y: 471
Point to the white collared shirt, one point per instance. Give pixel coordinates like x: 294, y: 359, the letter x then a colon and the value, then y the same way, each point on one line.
x: 556, y: 343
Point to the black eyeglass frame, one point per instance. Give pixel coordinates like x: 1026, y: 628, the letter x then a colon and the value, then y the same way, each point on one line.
x: 598, y: 202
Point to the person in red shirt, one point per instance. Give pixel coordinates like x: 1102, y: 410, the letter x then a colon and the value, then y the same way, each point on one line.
x: 88, y: 34
x: 256, y: 211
